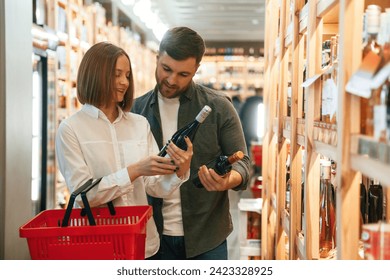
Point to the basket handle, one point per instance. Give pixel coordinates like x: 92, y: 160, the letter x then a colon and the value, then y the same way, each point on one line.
x: 87, y: 209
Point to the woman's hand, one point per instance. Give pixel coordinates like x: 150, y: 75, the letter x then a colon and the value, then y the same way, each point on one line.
x: 150, y: 166
x: 181, y: 158
x: 178, y: 161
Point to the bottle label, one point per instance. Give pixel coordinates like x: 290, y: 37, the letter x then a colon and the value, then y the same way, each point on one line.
x: 379, y: 120
x: 326, y: 172
x: 203, y: 114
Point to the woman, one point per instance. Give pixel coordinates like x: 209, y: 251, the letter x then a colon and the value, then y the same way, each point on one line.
x: 105, y: 140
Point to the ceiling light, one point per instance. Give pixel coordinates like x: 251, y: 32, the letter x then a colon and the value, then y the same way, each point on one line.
x: 128, y: 2
x: 143, y: 10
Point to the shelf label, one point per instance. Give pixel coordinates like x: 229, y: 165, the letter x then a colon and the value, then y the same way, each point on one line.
x: 364, y: 79
x: 310, y: 81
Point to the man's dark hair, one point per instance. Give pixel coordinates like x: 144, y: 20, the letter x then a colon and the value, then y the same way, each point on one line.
x: 181, y: 43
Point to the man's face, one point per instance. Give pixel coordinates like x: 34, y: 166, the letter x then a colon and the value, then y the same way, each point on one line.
x: 173, y: 76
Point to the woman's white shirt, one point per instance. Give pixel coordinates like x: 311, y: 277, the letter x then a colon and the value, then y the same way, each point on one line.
x: 89, y: 146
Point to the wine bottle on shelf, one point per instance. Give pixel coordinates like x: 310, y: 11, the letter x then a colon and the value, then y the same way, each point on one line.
x: 363, y: 203
x: 288, y: 189
x: 326, y: 53
x: 373, y: 13
x: 289, y: 99
x: 221, y: 165
x: 188, y: 130
x: 363, y: 207
x: 375, y: 202
x: 371, y: 49
x: 304, y: 93
x: 327, y: 211
x: 388, y: 112
x: 380, y: 115
x: 303, y: 222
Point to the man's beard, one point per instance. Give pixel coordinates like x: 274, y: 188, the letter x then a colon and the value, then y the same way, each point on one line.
x: 173, y: 92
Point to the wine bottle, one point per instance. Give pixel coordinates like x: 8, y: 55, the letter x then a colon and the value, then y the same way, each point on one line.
x: 221, y: 165
x: 375, y: 202
x: 288, y: 192
x: 371, y: 46
x: 288, y: 180
x: 363, y: 203
x: 327, y: 212
x: 188, y: 130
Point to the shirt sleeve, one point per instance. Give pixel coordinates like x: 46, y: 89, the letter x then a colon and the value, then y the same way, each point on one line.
x: 76, y: 172
x: 232, y: 140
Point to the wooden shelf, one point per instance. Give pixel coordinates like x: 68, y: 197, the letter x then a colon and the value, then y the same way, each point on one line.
x: 301, y: 140
x: 286, y: 222
x: 361, y: 85
x: 324, y: 71
x: 274, y: 201
x: 371, y: 158
x: 371, y: 168
x: 325, y: 150
x: 277, y: 47
x: 301, y: 246
x: 303, y: 17
x: 240, y: 75
x: 326, y: 8
x: 289, y: 36
x: 295, y: 37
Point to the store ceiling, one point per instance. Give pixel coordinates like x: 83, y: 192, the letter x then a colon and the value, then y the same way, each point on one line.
x: 216, y: 20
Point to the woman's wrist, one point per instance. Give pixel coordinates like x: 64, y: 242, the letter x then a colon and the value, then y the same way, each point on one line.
x: 133, y: 171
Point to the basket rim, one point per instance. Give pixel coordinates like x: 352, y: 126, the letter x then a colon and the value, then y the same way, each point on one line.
x: 28, y: 230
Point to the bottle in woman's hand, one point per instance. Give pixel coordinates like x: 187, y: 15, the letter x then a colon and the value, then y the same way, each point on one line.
x: 188, y: 130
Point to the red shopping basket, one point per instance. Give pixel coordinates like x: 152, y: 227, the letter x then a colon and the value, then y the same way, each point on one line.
x: 119, y: 236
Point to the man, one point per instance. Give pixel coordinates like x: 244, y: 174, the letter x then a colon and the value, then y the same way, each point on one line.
x: 194, y: 223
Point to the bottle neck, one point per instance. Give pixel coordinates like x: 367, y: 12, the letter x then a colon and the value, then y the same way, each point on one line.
x: 326, y: 173
x: 372, y: 37
x: 235, y: 157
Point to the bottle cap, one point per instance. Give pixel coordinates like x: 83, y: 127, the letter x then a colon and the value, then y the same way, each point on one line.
x: 373, y: 13
x: 236, y: 157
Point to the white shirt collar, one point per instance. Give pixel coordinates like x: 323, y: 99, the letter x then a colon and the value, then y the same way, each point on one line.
x: 95, y: 112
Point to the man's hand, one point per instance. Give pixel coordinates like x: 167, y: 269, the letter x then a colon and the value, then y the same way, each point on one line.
x: 212, y: 181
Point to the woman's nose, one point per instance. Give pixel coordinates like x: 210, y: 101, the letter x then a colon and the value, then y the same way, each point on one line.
x: 124, y: 80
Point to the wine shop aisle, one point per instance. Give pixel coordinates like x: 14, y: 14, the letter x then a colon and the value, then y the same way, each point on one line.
x: 47, y: 43
x: 233, y: 240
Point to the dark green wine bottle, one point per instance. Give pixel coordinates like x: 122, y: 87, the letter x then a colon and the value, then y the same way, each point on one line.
x: 188, y: 130
x: 221, y: 165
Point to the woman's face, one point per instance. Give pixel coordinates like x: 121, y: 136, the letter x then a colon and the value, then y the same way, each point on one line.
x: 122, y: 78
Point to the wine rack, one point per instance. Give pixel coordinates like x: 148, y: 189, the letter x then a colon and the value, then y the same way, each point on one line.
x: 294, y: 77
x: 69, y: 30
x: 235, y: 74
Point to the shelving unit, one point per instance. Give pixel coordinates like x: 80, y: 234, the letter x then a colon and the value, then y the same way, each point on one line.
x: 234, y: 74
x: 295, y: 31
x: 69, y: 30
